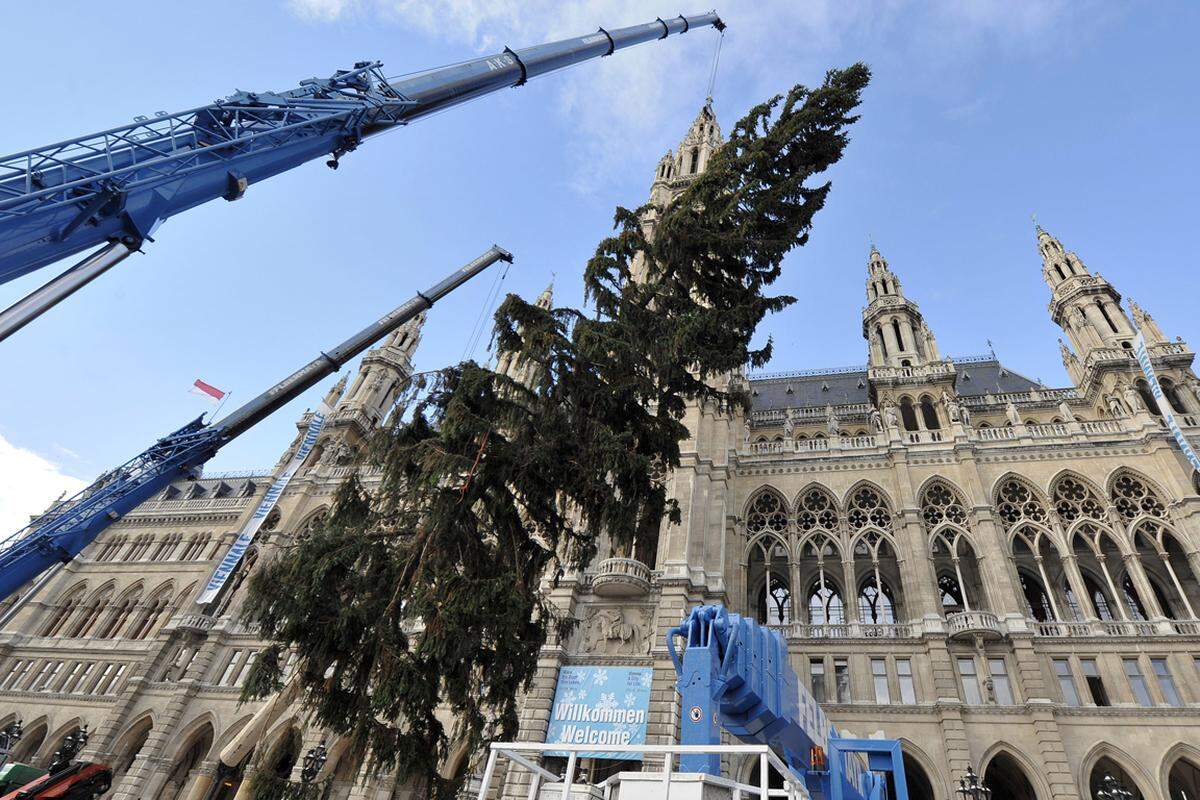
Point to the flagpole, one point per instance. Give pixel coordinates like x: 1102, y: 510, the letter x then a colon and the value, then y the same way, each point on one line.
x: 219, y: 405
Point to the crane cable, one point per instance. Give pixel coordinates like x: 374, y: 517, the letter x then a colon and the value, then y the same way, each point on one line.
x: 712, y: 76
x: 480, y: 325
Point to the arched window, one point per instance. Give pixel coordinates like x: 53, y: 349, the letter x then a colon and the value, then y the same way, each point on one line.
x: 1017, y: 503
x: 907, y: 415
x: 899, y: 339
x: 825, y: 603
x: 767, y: 513
x: 156, y: 609
x: 120, y: 615
x: 1132, y: 498
x: 1058, y: 268
x: 875, y: 603
x: 1156, y: 546
x: 939, y: 503
x: 91, y: 614
x: 882, y: 341
x: 1143, y: 390
x: 66, y: 607
x: 867, y: 507
x: 1037, y: 603
x: 1106, y: 773
x: 1132, y: 601
x: 1006, y: 780
x: 1183, y: 783
x: 1104, y: 313
x: 1172, y: 395
x: 695, y: 159
x: 929, y: 414
x: 817, y: 510
x: 775, y: 601
x: 950, y: 592
x: 1098, y: 597
x: 1073, y: 500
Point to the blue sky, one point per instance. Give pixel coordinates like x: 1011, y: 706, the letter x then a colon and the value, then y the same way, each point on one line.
x: 980, y: 114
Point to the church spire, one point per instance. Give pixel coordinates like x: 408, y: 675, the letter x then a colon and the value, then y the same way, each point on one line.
x: 893, y: 324
x: 1082, y: 303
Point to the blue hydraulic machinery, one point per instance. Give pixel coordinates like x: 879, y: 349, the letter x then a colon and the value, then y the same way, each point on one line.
x: 735, y: 674
x: 113, y: 188
x: 60, y: 534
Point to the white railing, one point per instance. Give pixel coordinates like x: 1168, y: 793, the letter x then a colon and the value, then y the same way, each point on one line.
x: 619, y: 577
x: 1101, y: 426
x: 847, y: 630
x: 917, y: 437
x: 973, y: 622
x: 995, y: 434
x: 1048, y: 431
x: 524, y: 755
x: 1115, y: 627
x: 858, y: 442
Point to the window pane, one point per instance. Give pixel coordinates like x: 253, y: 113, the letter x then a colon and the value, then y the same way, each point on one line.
x: 817, y: 667
x: 1062, y: 668
x: 1166, y: 683
x: 908, y: 694
x: 1091, y: 673
x: 1000, y: 686
x: 970, y: 682
x: 1137, y: 681
x: 880, y: 678
x: 230, y: 668
x: 841, y: 673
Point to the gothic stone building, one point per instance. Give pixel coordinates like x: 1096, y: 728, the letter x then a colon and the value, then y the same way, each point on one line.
x: 1002, y: 575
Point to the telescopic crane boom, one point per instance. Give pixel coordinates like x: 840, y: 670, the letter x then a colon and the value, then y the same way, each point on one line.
x: 73, y: 524
x: 112, y: 189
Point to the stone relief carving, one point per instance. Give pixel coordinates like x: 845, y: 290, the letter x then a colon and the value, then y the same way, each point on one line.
x: 615, y: 631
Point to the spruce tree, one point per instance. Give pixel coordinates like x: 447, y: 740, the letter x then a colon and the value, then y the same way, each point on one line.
x: 424, y: 598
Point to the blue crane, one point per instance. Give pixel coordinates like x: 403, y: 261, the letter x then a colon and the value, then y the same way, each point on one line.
x: 113, y: 188
x: 71, y: 525
x: 734, y: 673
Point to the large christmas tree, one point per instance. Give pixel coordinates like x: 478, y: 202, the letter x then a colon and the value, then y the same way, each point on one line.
x: 426, y: 593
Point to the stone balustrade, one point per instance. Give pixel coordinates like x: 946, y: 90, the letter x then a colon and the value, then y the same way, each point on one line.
x: 974, y: 623
x: 621, y: 577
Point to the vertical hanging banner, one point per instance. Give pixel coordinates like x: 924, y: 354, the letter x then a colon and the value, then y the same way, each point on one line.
x: 250, y: 529
x: 1143, y: 358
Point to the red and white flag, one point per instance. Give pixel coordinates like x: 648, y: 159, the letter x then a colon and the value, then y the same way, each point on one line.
x: 214, y: 394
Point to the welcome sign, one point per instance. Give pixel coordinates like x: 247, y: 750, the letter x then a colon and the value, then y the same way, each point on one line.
x: 599, y: 706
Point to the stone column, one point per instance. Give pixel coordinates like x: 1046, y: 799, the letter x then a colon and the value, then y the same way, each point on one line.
x: 849, y: 593
x: 1078, y: 587
x: 203, y: 781
x: 1133, y: 565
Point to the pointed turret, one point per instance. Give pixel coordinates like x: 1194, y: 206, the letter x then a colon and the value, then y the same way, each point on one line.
x: 1146, y: 324
x: 677, y: 168
x: 1083, y: 304
x: 892, y: 324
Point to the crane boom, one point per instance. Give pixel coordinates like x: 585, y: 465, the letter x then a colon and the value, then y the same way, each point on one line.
x: 71, y: 525
x: 735, y: 673
x: 119, y: 184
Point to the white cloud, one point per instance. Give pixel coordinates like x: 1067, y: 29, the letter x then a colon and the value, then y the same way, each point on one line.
x: 617, y: 113
x: 28, y: 484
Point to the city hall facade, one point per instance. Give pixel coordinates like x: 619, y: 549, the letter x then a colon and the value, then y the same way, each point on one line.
x: 1002, y: 575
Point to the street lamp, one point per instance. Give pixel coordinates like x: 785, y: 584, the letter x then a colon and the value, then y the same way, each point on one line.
x: 9, y: 737
x: 970, y: 787
x: 69, y: 748
x: 314, y: 759
x: 1112, y: 789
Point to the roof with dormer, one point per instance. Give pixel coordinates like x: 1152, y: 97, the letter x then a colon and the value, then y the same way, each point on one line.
x: 976, y: 376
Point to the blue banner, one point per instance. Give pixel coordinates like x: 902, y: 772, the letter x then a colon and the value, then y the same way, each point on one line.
x: 250, y: 529
x: 601, y: 705
x: 1143, y: 358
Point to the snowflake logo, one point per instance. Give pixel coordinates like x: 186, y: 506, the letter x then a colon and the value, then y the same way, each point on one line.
x: 568, y: 697
x: 600, y: 677
x: 608, y: 701
x: 630, y: 699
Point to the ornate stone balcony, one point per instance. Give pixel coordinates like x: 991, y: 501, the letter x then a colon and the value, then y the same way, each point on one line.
x: 621, y: 577
x: 190, y: 621
x: 968, y: 624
